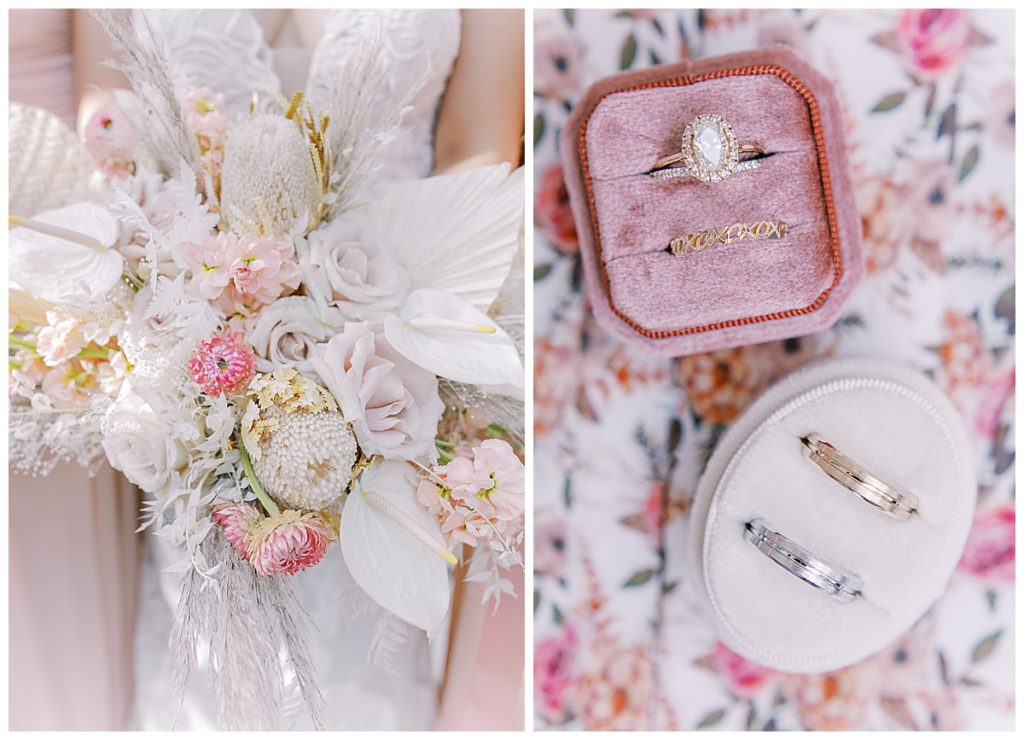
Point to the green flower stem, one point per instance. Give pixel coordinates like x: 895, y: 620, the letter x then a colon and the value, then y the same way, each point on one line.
x: 444, y: 457
x: 257, y: 488
x: 444, y: 444
x: 19, y: 343
x: 95, y: 353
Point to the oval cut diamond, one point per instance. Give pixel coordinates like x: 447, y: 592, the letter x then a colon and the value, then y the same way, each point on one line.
x: 709, y: 145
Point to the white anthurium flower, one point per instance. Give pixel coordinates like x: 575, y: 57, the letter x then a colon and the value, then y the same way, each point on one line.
x: 394, y: 547
x: 66, y: 251
x: 451, y: 338
x: 453, y: 233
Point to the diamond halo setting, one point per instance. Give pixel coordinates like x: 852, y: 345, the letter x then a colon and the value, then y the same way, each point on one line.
x: 710, y: 152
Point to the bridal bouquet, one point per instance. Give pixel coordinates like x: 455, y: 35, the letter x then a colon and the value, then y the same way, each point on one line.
x: 282, y: 363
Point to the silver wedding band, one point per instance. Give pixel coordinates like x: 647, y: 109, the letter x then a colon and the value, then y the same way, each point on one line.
x: 810, y: 569
x: 876, y: 492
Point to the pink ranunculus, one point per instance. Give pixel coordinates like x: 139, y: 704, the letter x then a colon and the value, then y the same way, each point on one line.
x: 237, y: 519
x: 745, y: 679
x: 552, y: 212
x: 290, y: 542
x: 990, y: 552
x: 109, y: 140
x: 222, y: 364
x: 553, y: 674
x: 933, y: 41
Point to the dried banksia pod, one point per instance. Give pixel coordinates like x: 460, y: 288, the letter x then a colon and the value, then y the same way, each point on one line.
x: 302, y: 449
x: 269, y: 182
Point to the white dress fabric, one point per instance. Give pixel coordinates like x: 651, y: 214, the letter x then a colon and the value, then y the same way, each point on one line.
x: 225, y: 51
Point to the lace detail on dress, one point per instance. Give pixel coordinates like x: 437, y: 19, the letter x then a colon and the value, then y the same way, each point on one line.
x: 421, y: 46
x: 223, y: 50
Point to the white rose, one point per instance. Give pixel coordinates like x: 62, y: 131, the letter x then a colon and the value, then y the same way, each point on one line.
x: 392, y: 404
x: 137, y: 445
x: 286, y: 332
x: 360, y: 278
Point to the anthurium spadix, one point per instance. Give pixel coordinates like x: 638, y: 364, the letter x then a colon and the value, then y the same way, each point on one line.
x: 64, y: 252
x: 451, y: 338
x: 394, y: 548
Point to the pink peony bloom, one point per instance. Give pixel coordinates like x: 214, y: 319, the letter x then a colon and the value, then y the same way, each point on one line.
x: 553, y: 659
x: 552, y: 212
x: 223, y: 364
x: 237, y: 519
x: 290, y: 542
x: 991, y: 549
x: 108, y: 139
x: 242, y: 273
x: 933, y: 41
x: 745, y: 679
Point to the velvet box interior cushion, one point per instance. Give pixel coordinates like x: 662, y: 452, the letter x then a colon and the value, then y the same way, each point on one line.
x: 896, y: 424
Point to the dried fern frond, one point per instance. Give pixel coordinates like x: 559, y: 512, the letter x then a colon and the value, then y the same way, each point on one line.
x: 156, y: 115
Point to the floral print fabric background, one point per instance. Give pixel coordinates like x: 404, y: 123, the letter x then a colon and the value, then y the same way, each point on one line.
x: 621, y: 438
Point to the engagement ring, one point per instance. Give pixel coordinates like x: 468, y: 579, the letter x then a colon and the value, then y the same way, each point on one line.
x: 710, y: 152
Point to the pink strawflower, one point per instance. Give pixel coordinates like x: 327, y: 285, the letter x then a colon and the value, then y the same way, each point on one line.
x: 223, y: 364
x: 237, y: 519
x: 290, y: 542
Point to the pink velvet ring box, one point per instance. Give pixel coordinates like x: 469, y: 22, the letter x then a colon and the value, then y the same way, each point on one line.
x: 746, y: 292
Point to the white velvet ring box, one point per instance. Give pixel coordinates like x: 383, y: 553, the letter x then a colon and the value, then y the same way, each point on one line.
x: 896, y: 424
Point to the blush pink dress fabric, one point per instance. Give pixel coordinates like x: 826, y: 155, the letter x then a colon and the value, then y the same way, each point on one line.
x: 73, y: 550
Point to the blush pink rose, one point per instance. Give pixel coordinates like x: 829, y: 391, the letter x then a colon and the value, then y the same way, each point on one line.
x: 933, y: 41
x: 991, y: 548
x: 552, y: 212
x: 745, y: 679
x: 553, y: 659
